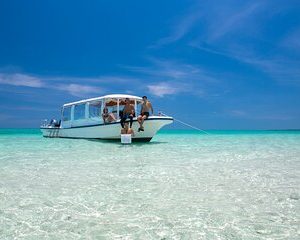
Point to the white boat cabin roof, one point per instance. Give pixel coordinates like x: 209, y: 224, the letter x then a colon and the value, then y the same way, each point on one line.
x: 111, y: 96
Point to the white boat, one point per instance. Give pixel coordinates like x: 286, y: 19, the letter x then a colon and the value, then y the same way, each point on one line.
x: 83, y: 119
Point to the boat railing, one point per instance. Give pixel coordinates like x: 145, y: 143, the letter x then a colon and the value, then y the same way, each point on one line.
x: 44, y: 123
x: 53, y: 123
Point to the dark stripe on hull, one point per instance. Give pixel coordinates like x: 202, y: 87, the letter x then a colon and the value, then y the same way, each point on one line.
x: 107, y: 124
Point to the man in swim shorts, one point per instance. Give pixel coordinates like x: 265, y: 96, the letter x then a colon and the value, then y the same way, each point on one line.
x: 145, y: 112
x: 128, y: 112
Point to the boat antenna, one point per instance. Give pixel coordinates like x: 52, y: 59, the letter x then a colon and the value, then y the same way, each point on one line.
x: 186, y: 124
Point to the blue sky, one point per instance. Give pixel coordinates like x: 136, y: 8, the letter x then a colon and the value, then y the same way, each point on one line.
x: 214, y: 64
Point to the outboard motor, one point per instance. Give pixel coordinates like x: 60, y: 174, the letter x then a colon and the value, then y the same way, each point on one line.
x: 53, y: 122
x: 58, y: 123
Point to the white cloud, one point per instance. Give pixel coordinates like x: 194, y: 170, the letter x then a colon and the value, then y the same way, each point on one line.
x: 80, y: 90
x: 26, y: 80
x: 91, y: 80
x: 174, y: 71
x: 180, y: 29
x: 213, y: 21
x: 26, y: 108
x: 166, y: 77
x: 259, y: 115
x: 18, y: 79
x: 232, y: 20
x: 238, y: 113
x: 162, y: 89
x: 239, y: 30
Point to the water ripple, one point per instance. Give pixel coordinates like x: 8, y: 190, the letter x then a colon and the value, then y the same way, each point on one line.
x: 188, y: 187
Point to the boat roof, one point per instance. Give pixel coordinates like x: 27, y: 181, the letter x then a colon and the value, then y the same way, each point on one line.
x: 120, y: 96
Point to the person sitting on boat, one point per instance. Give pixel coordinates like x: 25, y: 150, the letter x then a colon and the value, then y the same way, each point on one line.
x: 108, y: 117
x: 127, y: 130
x: 145, y: 112
x: 128, y: 112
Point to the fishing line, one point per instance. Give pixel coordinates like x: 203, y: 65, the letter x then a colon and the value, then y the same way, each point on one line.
x: 186, y: 124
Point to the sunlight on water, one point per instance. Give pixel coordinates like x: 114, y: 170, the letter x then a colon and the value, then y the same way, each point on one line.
x: 182, y: 185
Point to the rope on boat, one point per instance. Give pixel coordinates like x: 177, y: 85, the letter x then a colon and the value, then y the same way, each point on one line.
x: 186, y: 124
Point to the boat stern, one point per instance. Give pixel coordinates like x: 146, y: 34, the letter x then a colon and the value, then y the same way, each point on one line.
x: 52, y: 132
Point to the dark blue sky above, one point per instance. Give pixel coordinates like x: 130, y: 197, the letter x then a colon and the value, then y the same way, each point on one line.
x: 215, y: 64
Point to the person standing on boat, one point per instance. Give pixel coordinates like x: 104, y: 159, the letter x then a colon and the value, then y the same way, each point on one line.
x: 145, y: 112
x: 128, y: 112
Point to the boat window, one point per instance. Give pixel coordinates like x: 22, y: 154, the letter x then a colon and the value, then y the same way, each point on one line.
x: 112, y: 109
x: 111, y: 105
x: 95, y: 109
x: 67, y: 113
x: 79, y: 111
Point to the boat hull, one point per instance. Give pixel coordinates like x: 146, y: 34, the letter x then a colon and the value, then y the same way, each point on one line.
x: 109, y: 131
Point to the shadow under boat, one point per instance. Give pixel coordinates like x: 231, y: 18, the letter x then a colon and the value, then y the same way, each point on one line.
x: 135, y: 141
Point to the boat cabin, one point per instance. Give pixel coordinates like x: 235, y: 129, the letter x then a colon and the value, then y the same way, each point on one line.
x: 89, y: 111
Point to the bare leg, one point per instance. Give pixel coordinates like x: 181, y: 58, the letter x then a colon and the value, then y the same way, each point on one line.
x: 139, y: 119
x: 130, y: 131
x: 143, y: 119
x: 123, y: 131
x: 112, y: 117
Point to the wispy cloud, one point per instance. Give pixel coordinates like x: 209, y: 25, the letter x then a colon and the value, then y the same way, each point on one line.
x: 238, y: 32
x: 79, y: 90
x: 160, y: 77
x: 26, y: 108
x: 173, y: 70
x: 212, y: 21
x: 164, y: 88
x: 18, y: 79
x: 258, y: 115
x: 27, y: 80
x: 169, y: 77
x: 231, y: 20
x: 282, y: 70
x: 180, y: 28
x: 91, y: 80
x: 238, y: 113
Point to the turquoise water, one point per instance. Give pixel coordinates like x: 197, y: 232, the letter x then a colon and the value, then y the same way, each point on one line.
x: 182, y: 185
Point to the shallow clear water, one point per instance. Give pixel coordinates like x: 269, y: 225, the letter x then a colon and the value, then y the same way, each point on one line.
x: 182, y: 185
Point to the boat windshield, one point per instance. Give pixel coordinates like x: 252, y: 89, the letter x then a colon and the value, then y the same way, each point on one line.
x: 66, y: 113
